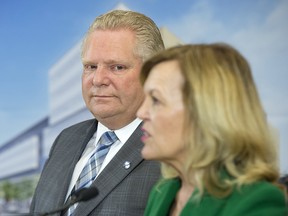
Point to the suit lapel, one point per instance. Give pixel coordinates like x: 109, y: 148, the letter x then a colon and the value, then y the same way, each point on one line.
x: 56, y: 176
x: 80, y: 140
x: 115, y: 172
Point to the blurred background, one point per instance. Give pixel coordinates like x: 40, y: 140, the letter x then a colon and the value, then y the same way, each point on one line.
x: 40, y: 69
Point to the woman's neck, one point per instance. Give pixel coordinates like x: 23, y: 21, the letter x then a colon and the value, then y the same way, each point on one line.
x: 181, y: 198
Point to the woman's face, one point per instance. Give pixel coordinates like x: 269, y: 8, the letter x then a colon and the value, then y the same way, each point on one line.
x: 163, y: 114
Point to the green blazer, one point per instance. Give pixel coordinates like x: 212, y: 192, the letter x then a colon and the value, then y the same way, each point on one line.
x: 258, y: 199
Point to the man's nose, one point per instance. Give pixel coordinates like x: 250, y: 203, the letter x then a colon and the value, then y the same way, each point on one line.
x: 101, y: 76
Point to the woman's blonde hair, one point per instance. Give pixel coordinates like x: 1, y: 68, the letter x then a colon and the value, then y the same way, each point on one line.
x: 226, y: 129
x: 148, y: 36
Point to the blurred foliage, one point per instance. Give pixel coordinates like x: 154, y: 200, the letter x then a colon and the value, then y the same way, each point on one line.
x: 8, y: 190
x: 20, y: 190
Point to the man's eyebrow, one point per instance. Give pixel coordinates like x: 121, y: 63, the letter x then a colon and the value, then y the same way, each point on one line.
x: 87, y: 62
x: 106, y: 62
x: 115, y: 61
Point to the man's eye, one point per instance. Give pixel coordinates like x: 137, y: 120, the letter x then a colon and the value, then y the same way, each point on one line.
x: 89, y: 68
x: 118, y: 67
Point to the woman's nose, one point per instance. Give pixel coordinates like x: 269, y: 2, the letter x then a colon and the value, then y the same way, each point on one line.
x: 142, y: 112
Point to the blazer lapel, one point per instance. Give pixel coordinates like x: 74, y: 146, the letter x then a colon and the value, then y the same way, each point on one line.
x: 56, y: 176
x: 80, y: 140
x: 115, y: 171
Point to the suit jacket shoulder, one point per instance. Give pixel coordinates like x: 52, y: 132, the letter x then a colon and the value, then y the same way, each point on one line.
x: 258, y: 199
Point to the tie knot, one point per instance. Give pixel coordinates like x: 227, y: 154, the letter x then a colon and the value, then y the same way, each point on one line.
x: 108, y: 138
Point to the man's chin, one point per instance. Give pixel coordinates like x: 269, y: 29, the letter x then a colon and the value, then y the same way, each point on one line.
x: 102, y: 113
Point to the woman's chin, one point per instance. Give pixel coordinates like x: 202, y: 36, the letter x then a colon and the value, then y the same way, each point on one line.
x: 147, y: 154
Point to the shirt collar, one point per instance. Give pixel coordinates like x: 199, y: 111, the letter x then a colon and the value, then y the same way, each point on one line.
x: 123, y: 133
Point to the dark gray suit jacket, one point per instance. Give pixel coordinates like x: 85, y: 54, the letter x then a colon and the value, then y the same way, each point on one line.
x: 121, y: 191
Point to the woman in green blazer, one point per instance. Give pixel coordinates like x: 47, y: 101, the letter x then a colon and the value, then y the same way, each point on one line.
x: 204, y: 121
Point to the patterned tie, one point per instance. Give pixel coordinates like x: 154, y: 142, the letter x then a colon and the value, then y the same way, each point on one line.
x: 92, y: 167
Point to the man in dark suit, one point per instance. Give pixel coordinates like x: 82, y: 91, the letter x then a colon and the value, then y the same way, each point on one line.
x: 114, y: 49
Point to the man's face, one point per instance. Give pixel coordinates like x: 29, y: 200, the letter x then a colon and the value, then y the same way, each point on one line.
x: 110, y: 82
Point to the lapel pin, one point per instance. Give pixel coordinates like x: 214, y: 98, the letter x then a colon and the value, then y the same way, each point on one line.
x: 127, y: 165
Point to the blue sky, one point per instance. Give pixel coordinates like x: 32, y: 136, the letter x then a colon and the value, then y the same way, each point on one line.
x: 34, y: 34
